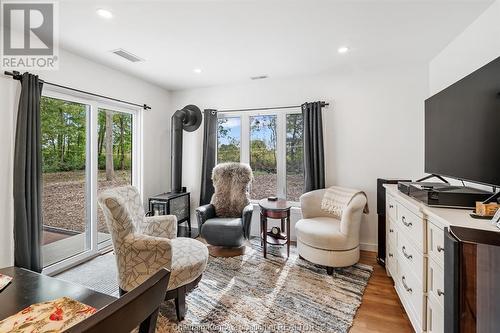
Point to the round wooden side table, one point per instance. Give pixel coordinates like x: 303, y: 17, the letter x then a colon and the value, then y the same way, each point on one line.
x: 279, y: 209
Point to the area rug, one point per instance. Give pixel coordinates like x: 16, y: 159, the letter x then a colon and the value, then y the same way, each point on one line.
x: 248, y: 293
x: 251, y: 294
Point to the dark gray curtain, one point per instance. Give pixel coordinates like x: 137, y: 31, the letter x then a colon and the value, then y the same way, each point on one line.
x: 314, y: 155
x: 27, y: 177
x: 209, y: 153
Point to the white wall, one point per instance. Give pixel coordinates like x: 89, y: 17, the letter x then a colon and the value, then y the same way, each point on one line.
x: 374, y: 125
x: 83, y: 74
x: 476, y: 46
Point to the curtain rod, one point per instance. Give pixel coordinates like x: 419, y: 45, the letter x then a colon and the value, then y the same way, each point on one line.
x: 17, y: 76
x: 323, y: 104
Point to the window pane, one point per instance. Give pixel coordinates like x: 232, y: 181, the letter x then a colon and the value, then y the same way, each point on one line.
x: 228, y: 139
x: 294, y: 157
x: 263, y: 156
x: 66, y: 227
x: 114, y: 156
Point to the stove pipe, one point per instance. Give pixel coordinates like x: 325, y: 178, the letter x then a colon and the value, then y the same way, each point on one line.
x: 188, y: 119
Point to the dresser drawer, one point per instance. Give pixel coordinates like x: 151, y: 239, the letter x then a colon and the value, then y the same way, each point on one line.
x: 435, y: 243
x: 410, y: 257
x: 411, y: 224
x: 391, y: 207
x: 412, y: 296
x: 435, y: 282
x: 435, y: 317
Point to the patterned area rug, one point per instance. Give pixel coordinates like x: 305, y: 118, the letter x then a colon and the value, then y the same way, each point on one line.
x: 251, y: 294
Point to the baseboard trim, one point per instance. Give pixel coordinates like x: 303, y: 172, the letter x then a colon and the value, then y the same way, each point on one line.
x: 368, y: 247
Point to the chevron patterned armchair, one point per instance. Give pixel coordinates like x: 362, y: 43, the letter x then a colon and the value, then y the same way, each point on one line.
x: 144, y: 245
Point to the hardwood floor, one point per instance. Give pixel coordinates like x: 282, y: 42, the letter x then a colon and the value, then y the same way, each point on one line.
x: 381, y: 310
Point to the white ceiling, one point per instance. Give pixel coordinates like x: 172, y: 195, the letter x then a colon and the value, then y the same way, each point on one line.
x: 233, y: 40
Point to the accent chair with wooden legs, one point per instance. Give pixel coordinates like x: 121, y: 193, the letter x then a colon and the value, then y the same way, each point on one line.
x: 144, y: 245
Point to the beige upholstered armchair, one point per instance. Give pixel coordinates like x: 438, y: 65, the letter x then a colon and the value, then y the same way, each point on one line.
x: 144, y: 245
x: 324, y: 239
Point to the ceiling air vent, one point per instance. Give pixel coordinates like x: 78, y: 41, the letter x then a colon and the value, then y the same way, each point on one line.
x: 259, y: 77
x: 127, y: 55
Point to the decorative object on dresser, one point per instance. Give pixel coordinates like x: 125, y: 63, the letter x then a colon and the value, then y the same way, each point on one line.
x: 144, y: 245
x: 275, y: 209
x: 170, y: 203
x: 381, y: 213
x: 324, y: 239
x: 415, y: 255
x: 471, y: 280
x: 226, y: 221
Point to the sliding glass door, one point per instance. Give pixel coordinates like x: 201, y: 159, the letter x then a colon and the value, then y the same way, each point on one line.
x: 87, y: 147
x: 114, y: 158
x: 66, y: 178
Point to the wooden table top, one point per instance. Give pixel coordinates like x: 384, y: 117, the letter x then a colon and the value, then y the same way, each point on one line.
x: 279, y: 204
x: 28, y: 288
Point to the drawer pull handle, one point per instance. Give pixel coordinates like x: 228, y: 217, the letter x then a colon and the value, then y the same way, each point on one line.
x: 391, y: 206
x: 408, y: 289
x: 440, y: 248
x: 391, y: 255
x: 391, y: 230
x: 440, y: 292
x: 408, y: 256
x: 408, y: 224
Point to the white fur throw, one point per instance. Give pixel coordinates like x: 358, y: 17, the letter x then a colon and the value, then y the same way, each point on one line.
x: 336, y: 199
x: 231, y: 183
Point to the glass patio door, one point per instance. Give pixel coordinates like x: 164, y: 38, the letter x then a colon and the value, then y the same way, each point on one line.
x: 87, y: 147
x: 66, y: 177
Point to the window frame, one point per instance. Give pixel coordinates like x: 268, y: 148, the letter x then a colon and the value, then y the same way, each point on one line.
x: 280, y: 142
x: 92, y: 245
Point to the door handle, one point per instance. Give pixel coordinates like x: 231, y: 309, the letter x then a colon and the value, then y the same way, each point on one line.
x: 440, y: 292
x: 440, y: 248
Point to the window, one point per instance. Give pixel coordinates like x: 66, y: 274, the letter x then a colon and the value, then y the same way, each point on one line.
x: 263, y: 156
x: 228, y: 139
x: 271, y: 143
x: 87, y: 146
x: 294, y: 156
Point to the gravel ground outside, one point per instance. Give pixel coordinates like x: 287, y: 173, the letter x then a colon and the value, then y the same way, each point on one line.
x: 265, y: 185
x: 63, y: 203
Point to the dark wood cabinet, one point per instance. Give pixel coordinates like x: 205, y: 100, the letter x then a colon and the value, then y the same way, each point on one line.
x: 472, y: 275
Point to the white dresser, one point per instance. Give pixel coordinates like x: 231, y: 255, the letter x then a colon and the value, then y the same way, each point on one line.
x: 415, y: 255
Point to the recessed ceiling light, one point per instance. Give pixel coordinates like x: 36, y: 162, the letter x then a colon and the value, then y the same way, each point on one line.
x: 197, y: 70
x: 343, y: 49
x: 104, y: 13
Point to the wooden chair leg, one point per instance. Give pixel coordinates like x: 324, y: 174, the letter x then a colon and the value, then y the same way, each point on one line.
x: 180, y: 304
x: 121, y: 292
x: 329, y: 270
x: 149, y: 325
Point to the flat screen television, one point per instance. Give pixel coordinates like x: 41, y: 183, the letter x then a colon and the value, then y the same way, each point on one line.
x: 462, y: 128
